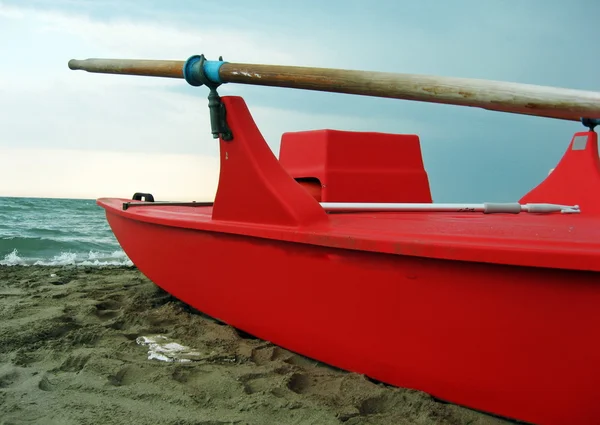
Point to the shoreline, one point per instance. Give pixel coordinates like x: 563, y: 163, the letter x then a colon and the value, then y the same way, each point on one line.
x: 76, y: 347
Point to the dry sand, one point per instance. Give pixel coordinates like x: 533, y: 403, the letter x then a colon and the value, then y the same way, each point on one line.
x: 68, y: 355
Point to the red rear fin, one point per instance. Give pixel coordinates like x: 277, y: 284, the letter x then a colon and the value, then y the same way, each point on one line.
x: 576, y: 178
x: 253, y: 187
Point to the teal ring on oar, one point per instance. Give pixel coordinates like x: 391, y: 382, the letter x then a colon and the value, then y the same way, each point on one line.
x: 197, y: 70
x: 590, y: 122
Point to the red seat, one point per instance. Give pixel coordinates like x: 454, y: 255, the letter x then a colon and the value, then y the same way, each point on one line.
x: 357, y: 166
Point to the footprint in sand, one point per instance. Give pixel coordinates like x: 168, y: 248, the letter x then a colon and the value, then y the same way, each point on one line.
x: 74, y: 363
x: 45, y: 384
x: 299, y: 383
x: 8, y: 378
x: 108, y: 309
x: 123, y: 377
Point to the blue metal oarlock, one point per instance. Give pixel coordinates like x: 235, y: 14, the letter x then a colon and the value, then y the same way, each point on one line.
x: 590, y: 122
x: 198, y: 71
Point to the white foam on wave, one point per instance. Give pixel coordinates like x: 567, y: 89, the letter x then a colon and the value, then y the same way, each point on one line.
x: 12, y: 259
x: 91, y: 259
x: 164, y: 349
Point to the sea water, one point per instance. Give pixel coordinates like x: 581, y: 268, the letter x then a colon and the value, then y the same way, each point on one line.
x: 43, y: 231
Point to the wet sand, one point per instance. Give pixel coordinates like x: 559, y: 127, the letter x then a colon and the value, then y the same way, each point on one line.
x: 71, y: 353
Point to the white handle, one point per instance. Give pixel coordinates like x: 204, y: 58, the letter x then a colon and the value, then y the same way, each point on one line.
x: 494, y: 207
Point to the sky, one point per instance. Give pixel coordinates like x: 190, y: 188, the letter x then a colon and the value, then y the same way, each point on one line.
x: 74, y: 134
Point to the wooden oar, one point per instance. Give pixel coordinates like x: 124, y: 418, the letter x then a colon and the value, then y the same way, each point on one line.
x: 527, y: 99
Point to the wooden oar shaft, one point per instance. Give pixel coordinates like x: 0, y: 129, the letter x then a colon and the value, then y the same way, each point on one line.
x: 527, y: 99
x: 143, y: 67
x: 492, y: 95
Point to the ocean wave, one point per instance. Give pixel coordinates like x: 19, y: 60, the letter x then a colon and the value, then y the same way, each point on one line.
x: 48, y: 236
x: 89, y: 259
x: 49, y: 231
x: 50, y: 205
x: 45, y: 247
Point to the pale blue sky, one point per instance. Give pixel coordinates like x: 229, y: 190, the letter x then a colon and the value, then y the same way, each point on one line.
x: 66, y: 133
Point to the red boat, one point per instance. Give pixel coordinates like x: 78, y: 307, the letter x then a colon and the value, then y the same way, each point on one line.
x: 491, y: 306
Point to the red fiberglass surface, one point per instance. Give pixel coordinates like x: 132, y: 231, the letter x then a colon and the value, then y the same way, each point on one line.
x: 495, y: 312
x: 553, y: 240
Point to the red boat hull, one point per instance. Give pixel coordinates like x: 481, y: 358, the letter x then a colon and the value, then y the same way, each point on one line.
x: 514, y: 341
x: 496, y: 312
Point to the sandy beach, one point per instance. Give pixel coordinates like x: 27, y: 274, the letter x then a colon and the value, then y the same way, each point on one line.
x: 75, y: 345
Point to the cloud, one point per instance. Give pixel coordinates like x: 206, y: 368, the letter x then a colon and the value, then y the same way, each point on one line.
x: 44, y: 105
x: 71, y: 173
x: 54, y: 107
x: 58, y: 124
x: 67, y: 34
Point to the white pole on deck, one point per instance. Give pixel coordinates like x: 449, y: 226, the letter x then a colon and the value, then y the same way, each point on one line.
x: 486, y: 208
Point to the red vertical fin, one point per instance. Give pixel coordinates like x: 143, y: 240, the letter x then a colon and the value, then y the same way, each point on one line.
x: 576, y: 178
x: 253, y: 186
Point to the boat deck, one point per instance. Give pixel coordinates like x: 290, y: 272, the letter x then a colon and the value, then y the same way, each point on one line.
x: 570, y: 241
